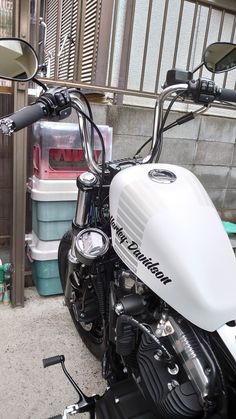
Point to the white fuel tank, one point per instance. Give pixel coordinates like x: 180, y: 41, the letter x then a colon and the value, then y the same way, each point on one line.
x: 167, y: 231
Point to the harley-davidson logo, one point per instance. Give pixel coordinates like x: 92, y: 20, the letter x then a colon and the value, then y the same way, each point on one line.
x: 132, y: 246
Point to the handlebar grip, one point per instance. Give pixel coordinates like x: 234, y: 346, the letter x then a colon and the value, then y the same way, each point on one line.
x: 23, y: 118
x: 47, y: 362
x: 227, y: 95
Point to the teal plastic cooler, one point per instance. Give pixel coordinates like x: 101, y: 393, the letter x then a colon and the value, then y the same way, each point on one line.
x: 50, y: 220
x: 45, y: 266
x: 53, y: 207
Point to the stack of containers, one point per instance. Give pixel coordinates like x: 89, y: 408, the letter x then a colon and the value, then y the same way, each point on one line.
x: 58, y: 159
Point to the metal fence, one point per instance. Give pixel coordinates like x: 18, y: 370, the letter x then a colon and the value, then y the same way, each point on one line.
x: 127, y: 46
x: 6, y: 106
x: 6, y: 149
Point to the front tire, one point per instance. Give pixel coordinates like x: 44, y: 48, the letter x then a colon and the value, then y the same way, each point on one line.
x: 92, y: 334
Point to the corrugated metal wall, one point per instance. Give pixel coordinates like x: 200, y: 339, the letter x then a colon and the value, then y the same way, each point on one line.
x: 67, y: 35
x: 72, y: 38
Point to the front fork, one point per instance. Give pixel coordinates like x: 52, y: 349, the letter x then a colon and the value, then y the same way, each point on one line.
x: 85, y: 183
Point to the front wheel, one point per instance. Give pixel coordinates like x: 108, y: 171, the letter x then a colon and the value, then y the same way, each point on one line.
x: 92, y: 331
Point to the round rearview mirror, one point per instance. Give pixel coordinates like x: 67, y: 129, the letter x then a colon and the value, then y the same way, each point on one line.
x: 220, y: 57
x: 18, y: 60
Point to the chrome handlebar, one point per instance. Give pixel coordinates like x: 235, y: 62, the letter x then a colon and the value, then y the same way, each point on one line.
x: 86, y: 137
x: 158, y: 118
x: 76, y: 102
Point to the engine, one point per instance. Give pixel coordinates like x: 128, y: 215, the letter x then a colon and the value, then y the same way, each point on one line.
x: 169, y: 361
x: 177, y: 374
x: 170, y: 389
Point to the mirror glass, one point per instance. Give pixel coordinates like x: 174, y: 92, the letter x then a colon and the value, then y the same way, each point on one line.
x: 220, y: 57
x: 18, y: 60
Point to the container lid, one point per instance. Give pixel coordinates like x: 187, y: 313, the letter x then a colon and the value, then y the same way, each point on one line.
x: 68, y: 134
x: 52, y: 190
x: 42, y: 250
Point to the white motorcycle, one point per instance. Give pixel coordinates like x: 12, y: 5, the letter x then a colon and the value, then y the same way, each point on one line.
x: 148, y: 271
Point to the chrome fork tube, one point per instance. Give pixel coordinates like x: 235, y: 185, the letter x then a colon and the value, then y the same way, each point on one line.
x: 85, y: 183
x: 82, y: 208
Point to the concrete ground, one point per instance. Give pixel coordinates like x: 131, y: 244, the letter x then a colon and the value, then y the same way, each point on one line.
x: 41, y: 329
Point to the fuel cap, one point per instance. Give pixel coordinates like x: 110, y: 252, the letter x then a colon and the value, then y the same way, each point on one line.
x: 162, y: 176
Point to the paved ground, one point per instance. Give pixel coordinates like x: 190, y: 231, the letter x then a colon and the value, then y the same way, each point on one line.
x: 41, y: 329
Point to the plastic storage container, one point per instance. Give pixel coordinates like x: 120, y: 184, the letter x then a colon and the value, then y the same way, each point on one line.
x: 53, y: 207
x: 57, y: 149
x: 45, y: 266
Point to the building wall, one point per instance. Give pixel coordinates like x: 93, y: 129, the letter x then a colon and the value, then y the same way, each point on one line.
x: 206, y: 146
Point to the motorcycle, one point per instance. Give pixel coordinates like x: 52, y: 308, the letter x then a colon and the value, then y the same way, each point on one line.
x: 148, y: 272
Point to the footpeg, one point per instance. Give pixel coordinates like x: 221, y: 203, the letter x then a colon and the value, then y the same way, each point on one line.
x: 58, y: 359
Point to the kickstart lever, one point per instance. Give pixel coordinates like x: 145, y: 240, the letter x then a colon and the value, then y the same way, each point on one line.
x: 85, y: 403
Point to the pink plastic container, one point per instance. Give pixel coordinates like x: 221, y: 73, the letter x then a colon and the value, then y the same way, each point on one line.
x: 57, y: 149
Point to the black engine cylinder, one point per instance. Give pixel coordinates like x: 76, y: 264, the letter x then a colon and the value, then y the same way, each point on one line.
x: 172, y: 396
